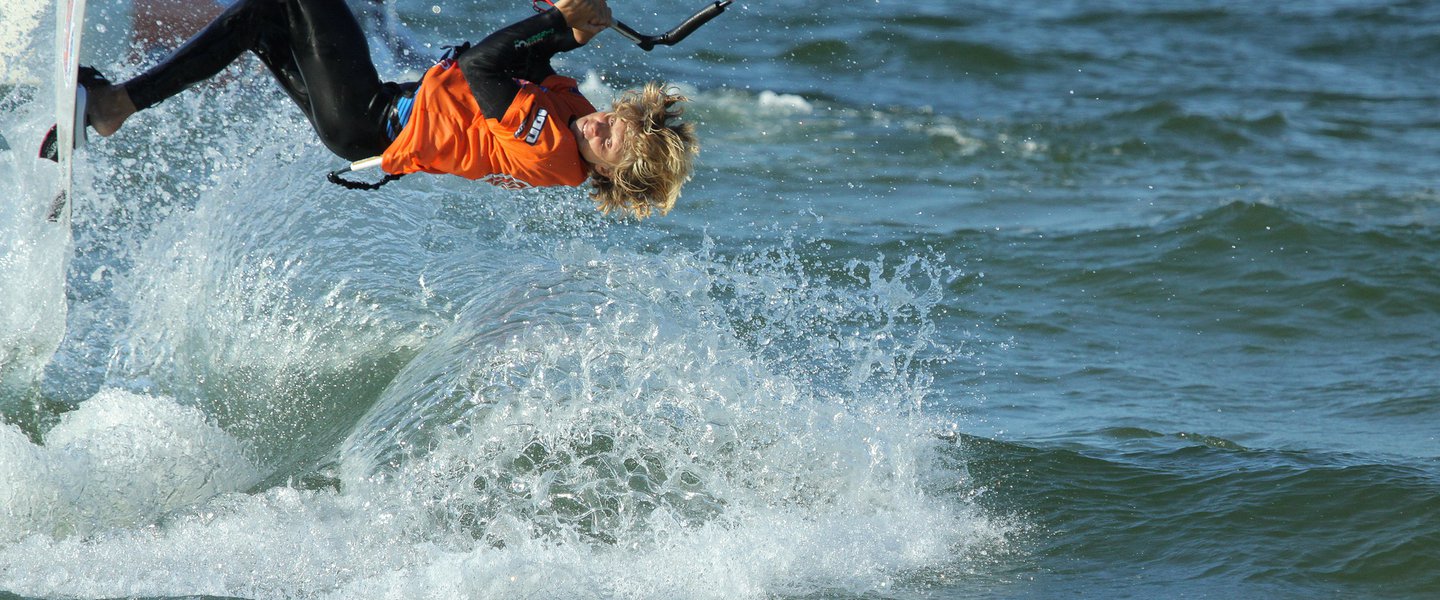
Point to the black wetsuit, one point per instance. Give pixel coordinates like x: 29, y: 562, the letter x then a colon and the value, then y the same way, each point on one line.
x: 318, y: 53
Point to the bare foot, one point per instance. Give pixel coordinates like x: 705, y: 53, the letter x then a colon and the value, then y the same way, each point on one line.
x: 108, y: 108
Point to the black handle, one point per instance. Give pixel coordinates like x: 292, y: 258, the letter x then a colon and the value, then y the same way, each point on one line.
x: 680, y: 32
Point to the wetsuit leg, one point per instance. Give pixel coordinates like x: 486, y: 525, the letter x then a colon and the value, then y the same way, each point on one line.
x: 204, y: 55
x: 316, y: 51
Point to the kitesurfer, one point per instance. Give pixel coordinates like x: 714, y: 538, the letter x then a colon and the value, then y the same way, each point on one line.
x: 495, y: 111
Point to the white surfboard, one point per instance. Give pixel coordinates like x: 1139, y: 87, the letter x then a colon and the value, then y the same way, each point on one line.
x: 69, y: 104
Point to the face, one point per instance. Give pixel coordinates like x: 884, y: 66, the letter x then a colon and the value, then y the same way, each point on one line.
x: 601, y: 138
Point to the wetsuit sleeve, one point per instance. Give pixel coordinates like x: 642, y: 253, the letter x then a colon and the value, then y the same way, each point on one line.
x: 520, y: 51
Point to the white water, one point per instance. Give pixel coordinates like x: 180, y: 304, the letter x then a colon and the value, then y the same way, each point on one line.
x: 266, y: 387
x: 120, y: 460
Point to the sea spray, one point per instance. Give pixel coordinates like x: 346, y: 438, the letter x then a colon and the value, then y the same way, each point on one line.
x: 34, y: 255
x: 120, y: 460
x: 606, y: 412
x: 584, y: 428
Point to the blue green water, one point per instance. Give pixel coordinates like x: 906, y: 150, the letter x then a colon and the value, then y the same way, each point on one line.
x: 966, y: 300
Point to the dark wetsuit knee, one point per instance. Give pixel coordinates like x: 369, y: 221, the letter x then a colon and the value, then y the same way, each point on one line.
x: 316, y: 51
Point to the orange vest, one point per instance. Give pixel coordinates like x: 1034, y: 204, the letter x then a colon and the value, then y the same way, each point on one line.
x: 531, y: 143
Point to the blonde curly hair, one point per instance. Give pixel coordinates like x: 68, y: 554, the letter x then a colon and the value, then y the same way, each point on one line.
x: 659, y: 154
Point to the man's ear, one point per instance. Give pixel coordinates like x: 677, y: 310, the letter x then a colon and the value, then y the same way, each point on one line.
x: 604, y: 170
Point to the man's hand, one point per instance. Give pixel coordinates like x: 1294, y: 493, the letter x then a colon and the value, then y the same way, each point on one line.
x: 586, y: 18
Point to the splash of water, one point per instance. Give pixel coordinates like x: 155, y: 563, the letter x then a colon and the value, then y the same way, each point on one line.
x: 425, y: 394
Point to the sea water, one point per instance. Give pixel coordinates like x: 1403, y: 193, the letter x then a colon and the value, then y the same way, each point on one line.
x: 966, y: 300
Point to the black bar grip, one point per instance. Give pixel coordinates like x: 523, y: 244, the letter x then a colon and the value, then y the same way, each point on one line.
x: 683, y: 30
x: 680, y: 32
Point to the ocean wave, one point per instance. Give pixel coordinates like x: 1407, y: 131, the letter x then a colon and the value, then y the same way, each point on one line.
x: 1265, y: 250
x: 1158, y: 15
x: 921, y: 51
x: 1418, y: 404
x: 1166, y: 500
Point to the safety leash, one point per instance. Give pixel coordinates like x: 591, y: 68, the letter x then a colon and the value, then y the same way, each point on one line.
x: 374, y: 161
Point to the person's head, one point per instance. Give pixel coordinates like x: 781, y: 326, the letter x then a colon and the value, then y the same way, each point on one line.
x: 639, y: 153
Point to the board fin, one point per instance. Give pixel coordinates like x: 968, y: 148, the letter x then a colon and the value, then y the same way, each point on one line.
x: 49, y: 147
x: 57, y: 206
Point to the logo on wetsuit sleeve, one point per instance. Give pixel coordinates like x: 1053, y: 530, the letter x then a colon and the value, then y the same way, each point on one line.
x: 534, y: 39
x: 532, y: 133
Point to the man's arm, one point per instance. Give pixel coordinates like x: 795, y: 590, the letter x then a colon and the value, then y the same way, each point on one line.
x: 523, y: 51
x: 587, y: 18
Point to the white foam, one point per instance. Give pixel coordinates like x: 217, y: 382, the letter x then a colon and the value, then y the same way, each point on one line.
x: 33, y: 253
x: 784, y: 103
x: 19, y: 24
x: 600, y: 94
x: 786, y: 552
x: 121, y: 459
x: 288, y: 543
x: 968, y: 145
